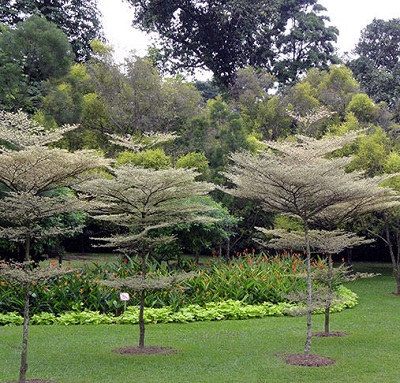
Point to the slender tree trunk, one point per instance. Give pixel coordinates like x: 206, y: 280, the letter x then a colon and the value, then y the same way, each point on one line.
x: 350, y: 260
x: 60, y: 253
x: 28, y: 248
x: 329, y: 294
x: 307, y: 346
x: 397, y: 257
x: 397, y: 277
x: 395, y: 261
x: 24, y: 352
x: 197, y: 257
x: 141, y: 319
x: 142, y: 299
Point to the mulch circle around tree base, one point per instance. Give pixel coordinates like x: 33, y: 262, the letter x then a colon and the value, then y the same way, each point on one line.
x: 329, y: 334
x: 146, y: 350
x: 309, y: 360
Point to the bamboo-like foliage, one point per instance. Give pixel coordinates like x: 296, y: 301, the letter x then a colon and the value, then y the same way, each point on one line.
x: 298, y: 178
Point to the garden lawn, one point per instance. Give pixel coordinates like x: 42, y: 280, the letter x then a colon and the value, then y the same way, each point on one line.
x: 250, y: 351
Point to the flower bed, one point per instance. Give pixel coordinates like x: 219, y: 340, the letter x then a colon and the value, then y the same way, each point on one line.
x: 252, y: 279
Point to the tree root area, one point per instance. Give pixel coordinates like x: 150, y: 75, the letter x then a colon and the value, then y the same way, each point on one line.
x: 146, y: 350
x: 329, y: 334
x: 309, y: 360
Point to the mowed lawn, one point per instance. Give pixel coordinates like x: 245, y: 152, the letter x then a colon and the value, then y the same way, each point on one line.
x: 249, y: 351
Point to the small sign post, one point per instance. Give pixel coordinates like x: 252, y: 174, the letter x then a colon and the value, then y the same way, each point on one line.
x: 124, y: 298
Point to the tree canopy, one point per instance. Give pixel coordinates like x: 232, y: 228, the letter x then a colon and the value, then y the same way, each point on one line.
x: 35, y: 181
x: 377, y: 67
x: 78, y: 19
x: 31, y: 53
x: 284, y: 36
x: 297, y: 178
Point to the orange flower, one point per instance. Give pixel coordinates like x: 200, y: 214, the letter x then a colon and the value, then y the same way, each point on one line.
x: 3, y: 283
x: 81, y: 291
x: 53, y: 262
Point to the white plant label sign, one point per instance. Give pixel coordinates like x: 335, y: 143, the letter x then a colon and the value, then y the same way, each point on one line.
x: 124, y: 297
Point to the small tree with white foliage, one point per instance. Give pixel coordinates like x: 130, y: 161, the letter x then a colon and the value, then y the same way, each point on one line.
x: 298, y: 179
x: 141, y: 202
x: 37, y: 180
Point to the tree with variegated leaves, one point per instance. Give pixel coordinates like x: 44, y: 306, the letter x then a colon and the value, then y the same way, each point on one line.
x: 143, y: 203
x: 25, y: 275
x: 299, y: 179
x: 323, y: 242
x: 37, y: 181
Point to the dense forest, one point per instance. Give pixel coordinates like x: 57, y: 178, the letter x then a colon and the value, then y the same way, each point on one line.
x: 273, y: 65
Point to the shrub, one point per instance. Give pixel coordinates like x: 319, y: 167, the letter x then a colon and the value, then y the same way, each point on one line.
x: 249, y: 278
x: 230, y: 309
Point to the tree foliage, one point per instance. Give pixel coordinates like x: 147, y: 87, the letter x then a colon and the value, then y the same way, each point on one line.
x: 146, y: 200
x: 31, y: 53
x: 284, y: 36
x: 79, y: 20
x: 377, y: 66
x: 137, y: 99
x: 35, y: 181
x: 296, y: 178
x: 23, y: 274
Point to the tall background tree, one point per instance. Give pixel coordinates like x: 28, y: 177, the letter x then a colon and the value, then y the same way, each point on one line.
x: 80, y: 20
x: 31, y: 53
x: 377, y: 66
x: 284, y: 36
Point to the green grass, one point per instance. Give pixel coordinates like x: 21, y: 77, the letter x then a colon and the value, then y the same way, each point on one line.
x: 220, y: 352
x: 77, y: 260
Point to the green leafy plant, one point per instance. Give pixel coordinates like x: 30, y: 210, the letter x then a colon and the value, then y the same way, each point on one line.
x: 212, y: 311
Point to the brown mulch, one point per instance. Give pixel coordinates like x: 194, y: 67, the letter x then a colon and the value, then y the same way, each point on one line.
x: 309, y: 360
x: 146, y: 350
x: 329, y: 334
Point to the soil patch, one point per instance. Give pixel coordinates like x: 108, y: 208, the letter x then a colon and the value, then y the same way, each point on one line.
x: 309, y: 360
x: 329, y: 334
x: 147, y: 350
